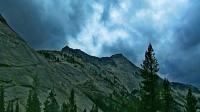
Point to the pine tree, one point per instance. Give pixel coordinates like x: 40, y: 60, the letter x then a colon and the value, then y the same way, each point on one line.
x: 84, y: 110
x: 72, y: 104
x: 8, y: 109
x: 191, y: 102
x: 35, y: 102
x: 2, y: 102
x: 51, y: 104
x: 29, y: 102
x: 148, y: 88
x: 167, y: 98
x: 94, y: 108
x: 17, y: 106
x: 11, y: 106
x: 64, y: 107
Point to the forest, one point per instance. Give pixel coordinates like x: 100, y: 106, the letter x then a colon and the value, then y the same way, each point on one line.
x: 154, y: 96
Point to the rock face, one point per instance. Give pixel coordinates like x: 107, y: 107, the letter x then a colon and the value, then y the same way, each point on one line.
x: 2, y: 19
x: 93, y: 78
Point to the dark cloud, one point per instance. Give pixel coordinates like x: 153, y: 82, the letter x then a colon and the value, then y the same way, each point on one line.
x: 104, y: 27
x: 184, y: 62
x: 188, y: 31
x: 46, y: 24
x: 121, y: 47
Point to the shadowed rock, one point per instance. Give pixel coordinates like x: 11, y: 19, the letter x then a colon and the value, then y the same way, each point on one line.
x: 2, y: 19
x: 92, y: 78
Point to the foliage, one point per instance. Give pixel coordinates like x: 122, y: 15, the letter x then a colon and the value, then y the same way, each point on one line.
x: 191, y: 102
x: 84, y: 110
x: 51, y: 104
x: 17, y: 106
x: 94, y: 108
x: 150, y: 98
x: 64, y: 107
x: 33, y: 102
x: 148, y: 90
x: 10, y: 107
x: 2, y: 102
x: 29, y: 102
x: 168, y: 102
x: 72, y: 104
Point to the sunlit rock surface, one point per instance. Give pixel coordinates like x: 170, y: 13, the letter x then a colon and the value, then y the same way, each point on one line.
x: 92, y: 78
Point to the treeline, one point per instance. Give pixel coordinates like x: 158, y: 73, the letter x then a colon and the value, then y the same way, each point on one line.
x: 155, y: 95
x: 33, y: 103
x: 156, y: 98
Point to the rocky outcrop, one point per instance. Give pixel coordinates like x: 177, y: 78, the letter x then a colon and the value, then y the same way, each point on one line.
x: 93, y: 78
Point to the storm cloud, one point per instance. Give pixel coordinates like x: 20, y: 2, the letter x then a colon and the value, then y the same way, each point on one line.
x: 46, y: 23
x: 105, y: 27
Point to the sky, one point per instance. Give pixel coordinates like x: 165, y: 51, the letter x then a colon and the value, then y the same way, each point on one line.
x: 105, y: 27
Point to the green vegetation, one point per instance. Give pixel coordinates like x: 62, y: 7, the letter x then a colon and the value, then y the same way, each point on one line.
x: 2, y: 102
x: 94, y: 108
x: 191, y: 102
x: 33, y: 102
x: 148, y: 90
x: 154, y: 95
x: 51, y: 104
x: 17, y: 106
x: 168, y: 103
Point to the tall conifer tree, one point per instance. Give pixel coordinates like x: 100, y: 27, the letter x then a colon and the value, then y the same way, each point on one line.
x: 51, y: 104
x: 167, y: 98
x: 94, y: 108
x: 11, y: 106
x: 191, y: 102
x: 29, y: 102
x: 8, y: 109
x: 17, y: 106
x: 35, y: 99
x: 33, y: 102
x: 72, y: 102
x: 148, y: 89
x: 71, y: 105
x: 84, y: 110
x: 2, y: 102
x: 64, y: 107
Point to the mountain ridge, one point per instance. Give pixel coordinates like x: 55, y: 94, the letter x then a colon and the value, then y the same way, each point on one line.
x: 94, y: 79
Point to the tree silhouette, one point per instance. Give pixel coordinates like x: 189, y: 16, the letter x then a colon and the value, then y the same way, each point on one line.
x: 10, y: 107
x: 148, y: 88
x: 29, y: 102
x: 17, y: 106
x: 2, y: 102
x: 51, y: 104
x: 64, y: 107
x: 33, y: 102
x: 94, y: 108
x: 191, y: 102
x: 167, y: 98
x: 84, y: 110
x: 72, y: 104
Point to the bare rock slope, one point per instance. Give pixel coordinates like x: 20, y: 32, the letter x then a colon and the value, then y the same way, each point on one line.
x: 93, y: 78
